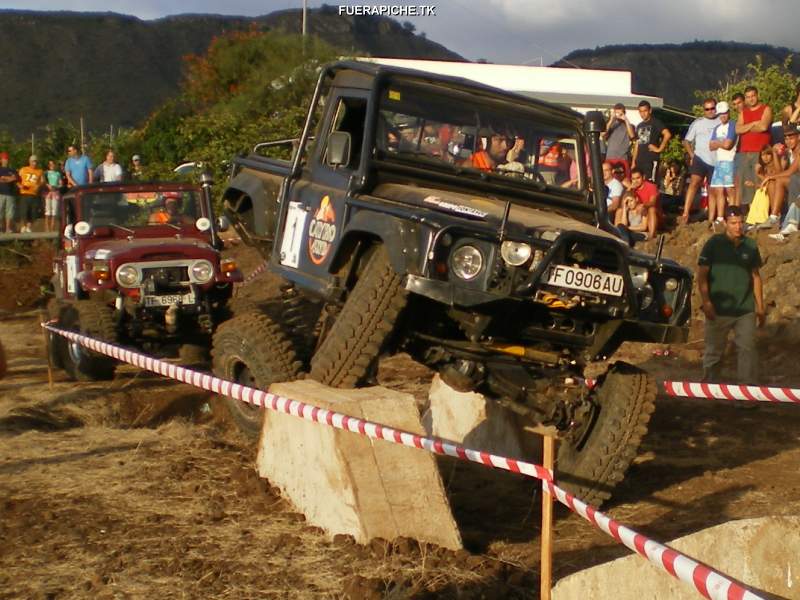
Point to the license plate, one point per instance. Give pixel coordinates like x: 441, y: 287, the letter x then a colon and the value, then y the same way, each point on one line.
x: 610, y: 284
x: 169, y: 299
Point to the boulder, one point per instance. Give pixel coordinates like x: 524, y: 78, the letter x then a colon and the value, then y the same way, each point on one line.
x: 763, y: 554
x: 346, y: 483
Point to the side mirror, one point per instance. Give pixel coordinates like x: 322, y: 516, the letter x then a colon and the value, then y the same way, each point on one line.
x: 69, y: 232
x: 203, y: 224
x: 82, y: 228
x: 223, y: 223
x: 338, y: 153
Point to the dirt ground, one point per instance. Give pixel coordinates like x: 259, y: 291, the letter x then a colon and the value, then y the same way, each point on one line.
x: 140, y: 488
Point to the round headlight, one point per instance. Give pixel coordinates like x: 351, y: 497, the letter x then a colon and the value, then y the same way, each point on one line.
x: 671, y: 284
x: 466, y: 262
x: 202, y: 271
x: 128, y: 276
x: 639, y: 276
x: 515, y: 253
x: 646, y: 296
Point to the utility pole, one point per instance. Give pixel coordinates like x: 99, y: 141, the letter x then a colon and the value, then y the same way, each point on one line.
x: 82, y: 137
x: 305, y: 20
x: 33, y: 143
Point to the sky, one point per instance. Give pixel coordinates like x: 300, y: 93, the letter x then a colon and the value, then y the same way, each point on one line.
x: 532, y: 32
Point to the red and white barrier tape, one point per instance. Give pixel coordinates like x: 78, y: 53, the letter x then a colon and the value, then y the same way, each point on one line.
x: 303, y: 410
x: 706, y: 581
x: 727, y: 391
x: 256, y: 272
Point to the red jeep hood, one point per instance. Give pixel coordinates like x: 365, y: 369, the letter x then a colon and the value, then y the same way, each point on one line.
x: 150, y: 249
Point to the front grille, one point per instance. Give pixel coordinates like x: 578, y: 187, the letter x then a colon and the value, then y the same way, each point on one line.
x: 167, y: 275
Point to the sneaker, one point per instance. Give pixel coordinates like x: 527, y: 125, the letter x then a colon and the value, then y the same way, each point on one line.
x: 773, y: 220
x: 789, y: 229
x: 778, y: 237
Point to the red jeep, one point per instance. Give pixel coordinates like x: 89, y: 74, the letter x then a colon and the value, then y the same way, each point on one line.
x: 138, y: 264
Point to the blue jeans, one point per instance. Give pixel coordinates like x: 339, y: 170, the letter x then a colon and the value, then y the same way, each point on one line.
x: 792, y: 215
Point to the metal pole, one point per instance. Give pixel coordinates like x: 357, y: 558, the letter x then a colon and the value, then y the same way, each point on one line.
x: 82, y: 147
x: 305, y: 16
x: 546, y: 559
x: 33, y: 143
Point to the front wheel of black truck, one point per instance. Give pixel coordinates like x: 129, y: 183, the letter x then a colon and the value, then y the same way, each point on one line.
x: 253, y: 350
x: 594, y: 459
x: 351, y: 347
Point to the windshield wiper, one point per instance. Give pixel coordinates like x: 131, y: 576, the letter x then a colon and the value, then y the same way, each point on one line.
x: 172, y: 225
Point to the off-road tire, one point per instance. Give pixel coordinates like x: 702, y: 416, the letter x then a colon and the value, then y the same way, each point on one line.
x: 252, y: 349
x: 93, y: 319
x: 354, y: 342
x: 625, y: 397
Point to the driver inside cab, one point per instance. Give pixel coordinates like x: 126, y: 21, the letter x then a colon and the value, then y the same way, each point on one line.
x: 170, y: 211
x: 499, y: 152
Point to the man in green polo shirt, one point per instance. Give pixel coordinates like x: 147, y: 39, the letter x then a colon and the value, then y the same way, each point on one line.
x: 731, y: 289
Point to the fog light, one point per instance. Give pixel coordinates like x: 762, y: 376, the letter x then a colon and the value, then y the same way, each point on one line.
x: 671, y: 284
x: 466, y: 262
x: 515, y: 253
x: 128, y: 276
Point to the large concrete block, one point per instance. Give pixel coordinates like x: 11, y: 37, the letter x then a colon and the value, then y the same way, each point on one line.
x: 763, y: 554
x: 347, y: 483
x: 470, y: 419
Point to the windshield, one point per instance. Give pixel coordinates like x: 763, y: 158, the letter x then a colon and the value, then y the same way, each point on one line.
x: 447, y: 130
x: 140, y: 209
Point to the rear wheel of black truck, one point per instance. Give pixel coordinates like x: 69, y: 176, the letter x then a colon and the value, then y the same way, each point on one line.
x: 594, y: 460
x: 252, y: 349
x: 352, y: 346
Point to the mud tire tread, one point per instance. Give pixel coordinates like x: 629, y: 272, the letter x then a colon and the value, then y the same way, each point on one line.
x: 626, y: 396
x: 96, y: 320
x: 257, y: 341
x: 351, y: 347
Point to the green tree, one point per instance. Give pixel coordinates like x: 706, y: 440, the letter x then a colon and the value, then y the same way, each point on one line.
x: 776, y: 85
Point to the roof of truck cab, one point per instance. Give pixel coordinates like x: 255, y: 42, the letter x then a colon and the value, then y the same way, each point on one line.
x: 133, y: 186
x: 361, y: 75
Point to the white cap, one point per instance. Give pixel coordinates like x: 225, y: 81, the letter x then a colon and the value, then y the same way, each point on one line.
x: 722, y: 107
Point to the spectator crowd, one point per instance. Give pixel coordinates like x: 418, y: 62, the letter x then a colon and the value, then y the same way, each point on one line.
x: 744, y: 162
x: 32, y: 191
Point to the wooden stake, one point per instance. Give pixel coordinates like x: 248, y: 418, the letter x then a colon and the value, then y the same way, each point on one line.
x: 546, y: 559
x: 47, y: 354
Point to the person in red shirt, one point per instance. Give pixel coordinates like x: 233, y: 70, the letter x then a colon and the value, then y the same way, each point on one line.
x: 753, y: 129
x: 649, y: 197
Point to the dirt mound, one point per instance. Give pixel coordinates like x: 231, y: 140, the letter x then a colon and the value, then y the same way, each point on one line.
x: 24, y: 270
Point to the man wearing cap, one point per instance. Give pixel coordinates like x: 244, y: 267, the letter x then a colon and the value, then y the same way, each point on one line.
x: 618, y: 135
x: 723, y: 147
x: 731, y: 290
x: 8, y: 190
x: 30, y: 184
x: 78, y: 167
x: 696, y: 145
x: 135, y: 172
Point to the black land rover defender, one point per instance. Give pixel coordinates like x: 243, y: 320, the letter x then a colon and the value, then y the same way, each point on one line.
x: 466, y: 226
